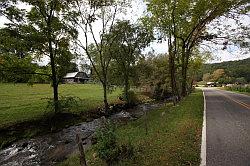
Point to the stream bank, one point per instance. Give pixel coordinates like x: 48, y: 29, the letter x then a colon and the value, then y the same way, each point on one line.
x: 52, y: 148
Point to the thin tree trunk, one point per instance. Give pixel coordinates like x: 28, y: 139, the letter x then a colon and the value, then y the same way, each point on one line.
x: 183, y: 73
x: 54, y: 85
x: 105, y: 98
x: 52, y: 64
x: 184, y: 81
x: 126, y: 88
x: 54, y: 77
x: 173, y: 76
x: 173, y: 80
x: 185, y: 59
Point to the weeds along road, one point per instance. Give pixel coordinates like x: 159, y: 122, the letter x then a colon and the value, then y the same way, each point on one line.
x: 227, y: 128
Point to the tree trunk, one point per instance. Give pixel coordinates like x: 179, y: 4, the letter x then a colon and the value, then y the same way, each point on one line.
x: 173, y: 75
x: 54, y: 77
x: 126, y: 88
x: 184, y: 66
x: 184, y: 81
x: 185, y: 63
x: 55, y: 87
x: 191, y: 85
x: 105, y: 99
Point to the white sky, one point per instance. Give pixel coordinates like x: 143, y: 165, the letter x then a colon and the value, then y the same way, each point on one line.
x: 137, y: 10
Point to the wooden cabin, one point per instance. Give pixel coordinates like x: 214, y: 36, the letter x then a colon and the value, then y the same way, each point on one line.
x: 76, y: 77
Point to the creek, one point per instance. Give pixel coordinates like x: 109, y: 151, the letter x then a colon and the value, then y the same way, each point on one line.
x: 52, y: 148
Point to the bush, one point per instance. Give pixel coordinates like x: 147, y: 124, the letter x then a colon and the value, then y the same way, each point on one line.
x: 107, y: 146
x: 161, y: 92
x: 239, y: 88
x: 132, y: 98
x: 66, y: 103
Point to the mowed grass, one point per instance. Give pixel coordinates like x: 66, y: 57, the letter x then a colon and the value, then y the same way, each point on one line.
x: 22, y: 102
x: 174, y: 136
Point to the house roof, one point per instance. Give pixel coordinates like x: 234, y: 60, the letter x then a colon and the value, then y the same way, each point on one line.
x: 82, y: 75
x: 70, y: 75
x: 210, y: 82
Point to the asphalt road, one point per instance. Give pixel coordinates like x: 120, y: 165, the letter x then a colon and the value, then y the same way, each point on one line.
x: 227, y: 128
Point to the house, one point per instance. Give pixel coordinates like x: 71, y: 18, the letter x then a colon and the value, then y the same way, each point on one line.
x: 76, y: 77
x: 211, y: 84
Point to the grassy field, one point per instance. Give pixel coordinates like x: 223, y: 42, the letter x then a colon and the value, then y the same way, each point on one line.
x: 22, y: 102
x: 174, y: 136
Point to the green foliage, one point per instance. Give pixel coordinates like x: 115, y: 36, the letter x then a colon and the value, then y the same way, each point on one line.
x: 65, y: 103
x: 128, y: 40
x: 107, y: 147
x: 239, y: 88
x: 184, y: 24
x: 43, y: 77
x: 240, y: 80
x: 233, y: 69
x: 15, y: 69
x: 172, y: 17
x: 132, y: 97
x: 41, y: 31
x: 153, y: 72
x: 174, y: 135
x: 161, y: 92
x: 14, y: 42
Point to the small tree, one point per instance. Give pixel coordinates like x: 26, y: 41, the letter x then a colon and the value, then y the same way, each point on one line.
x: 128, y: 41
x: 44, y: 32
x: 83, y: 16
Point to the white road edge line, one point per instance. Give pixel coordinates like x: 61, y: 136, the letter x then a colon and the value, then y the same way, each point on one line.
x: 203, y: 139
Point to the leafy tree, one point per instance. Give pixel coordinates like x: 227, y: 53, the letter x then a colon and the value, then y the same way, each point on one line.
x: 217, y: 74
x: 184, y: 24
x: 233, y: 69
x: 126, y: 47
x: 144, y: 69
x: 84, y: 15
x: 195, y: 64
x: 14, y: 69
x: 206, y: 77
x: 45, y: 32
x: 241, y: 80
x: 153, y: 74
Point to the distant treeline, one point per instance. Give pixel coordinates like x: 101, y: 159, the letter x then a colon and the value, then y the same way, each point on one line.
x: 233, y: 69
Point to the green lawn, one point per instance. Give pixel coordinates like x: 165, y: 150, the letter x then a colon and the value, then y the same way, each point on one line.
x: 174, y: 136
x: 22, y: 102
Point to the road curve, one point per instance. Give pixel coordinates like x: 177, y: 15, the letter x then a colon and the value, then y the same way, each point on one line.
x: 227, y: 128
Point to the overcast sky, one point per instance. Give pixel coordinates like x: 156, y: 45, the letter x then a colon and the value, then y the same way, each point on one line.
x: 137, y: 10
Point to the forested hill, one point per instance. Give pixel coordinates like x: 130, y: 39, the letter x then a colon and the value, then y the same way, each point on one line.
x: 236, y: 69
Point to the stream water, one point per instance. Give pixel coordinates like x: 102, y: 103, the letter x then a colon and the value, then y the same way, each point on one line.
x: 55, y: 147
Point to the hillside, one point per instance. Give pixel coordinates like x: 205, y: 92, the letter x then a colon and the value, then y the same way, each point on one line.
x: 236, y: 69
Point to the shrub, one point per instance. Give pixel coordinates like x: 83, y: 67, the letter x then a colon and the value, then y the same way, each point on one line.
x: 66, y: 103
x: 107, y: 146
x: 239, y: 88
x: 132, y: 98
x: 161, y: 92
